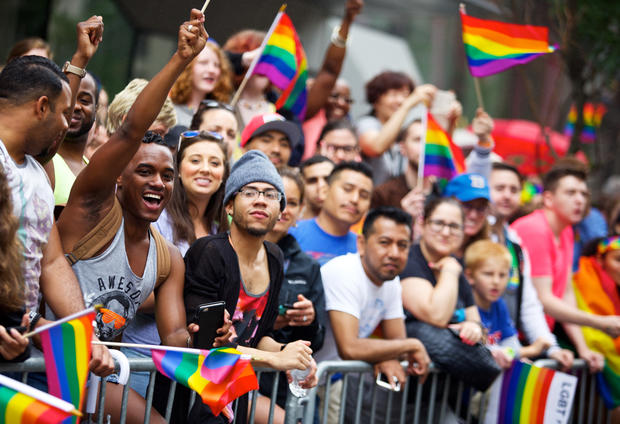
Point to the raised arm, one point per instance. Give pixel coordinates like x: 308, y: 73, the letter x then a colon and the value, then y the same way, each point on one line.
x: 375, y: 143
x: 332, y: 63
x: 94, y: 187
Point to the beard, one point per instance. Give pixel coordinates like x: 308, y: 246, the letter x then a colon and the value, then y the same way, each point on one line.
x: 83, y: 129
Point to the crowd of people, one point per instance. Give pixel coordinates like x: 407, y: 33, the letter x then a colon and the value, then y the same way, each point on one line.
x: 319, y: 236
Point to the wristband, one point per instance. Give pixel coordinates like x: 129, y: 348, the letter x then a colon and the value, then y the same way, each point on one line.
x: 33, y: 318
x: 336, y: 39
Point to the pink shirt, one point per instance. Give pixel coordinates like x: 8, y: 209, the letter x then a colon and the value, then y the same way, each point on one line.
x: 312, y: 130
x: 548, y: 257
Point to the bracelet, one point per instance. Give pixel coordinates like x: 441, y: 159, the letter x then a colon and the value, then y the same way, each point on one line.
x: 336, y: 39
x: 33, y: 318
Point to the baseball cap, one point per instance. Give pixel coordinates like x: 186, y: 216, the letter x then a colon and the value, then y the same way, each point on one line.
x: 260, y: 124
x: 466, y: 187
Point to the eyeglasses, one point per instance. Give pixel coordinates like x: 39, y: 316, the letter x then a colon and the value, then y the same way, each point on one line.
x: 334, y: 148
x: 437, y: 226
x: 214, y: 104
x: 480, y: 208
x: 251, y: 193
x: 337, y: 97
x: 207, y: 135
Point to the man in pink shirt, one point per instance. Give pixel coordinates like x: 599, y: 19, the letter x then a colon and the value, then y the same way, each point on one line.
x: 547, y: 235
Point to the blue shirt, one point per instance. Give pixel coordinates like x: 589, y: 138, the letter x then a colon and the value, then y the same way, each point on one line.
x: 497, y: 321
x: 320, y: 245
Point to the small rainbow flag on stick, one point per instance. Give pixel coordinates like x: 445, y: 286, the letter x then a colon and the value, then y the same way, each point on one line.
x: 493, y: 46
x: 283, y: 61
x: 529, y: 394
x: 442, y: 158
x: 592, y: 116
x: 66, y: 348
x: 23, y: 404
x: 219, y: 376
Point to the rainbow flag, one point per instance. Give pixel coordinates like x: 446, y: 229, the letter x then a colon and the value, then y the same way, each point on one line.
x: 19, y: 408
x: 527, y: 394
x: 283, y: 61
x: 493, y: 46
x: 442, y: 158
x: 592, y: 116
x: 597, y: 293
x: 66, y: 348
x: 219, y: 376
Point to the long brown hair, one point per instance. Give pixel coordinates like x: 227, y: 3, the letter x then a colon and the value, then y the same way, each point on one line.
x: 179, y: 206
x: 11, y: 278
x: 182, y: 88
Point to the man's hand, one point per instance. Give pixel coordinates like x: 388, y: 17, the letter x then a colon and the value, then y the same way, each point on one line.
x: 595, y: 360
x: 419, y: 361
x: 89, y: 35
x: 352, y: 8
x: 392, y: 370
x: 192, y: 36
x: 482, y: 125
x: 413, y: 202
x: 12, y: 343
x: 610, y: 324
x: 303, y: 314
x: 225, y: 334
x: 469, y: 332
x: 539, y: 346
x: 296, y: 355
x: 564, y: 357
x: 311, y: 379
x: 101, y: 362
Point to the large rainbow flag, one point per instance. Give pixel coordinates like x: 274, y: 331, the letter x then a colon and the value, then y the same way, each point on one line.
x: 592, y: 116
x: 526, y: 394
x: 66, y: 348
x: 597, y: 293
x: 493, y: 46
x: 442, y: 158
x: 219, y: 376
x: 284, y: 62
x: 20, y: 408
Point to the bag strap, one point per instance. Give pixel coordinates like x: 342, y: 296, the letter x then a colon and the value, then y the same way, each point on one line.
x: 99, y: 236
x: 520, y: 258
x: 163, y: 256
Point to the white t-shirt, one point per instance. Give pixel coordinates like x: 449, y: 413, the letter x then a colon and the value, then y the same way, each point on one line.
x: 348, y: 289
x: 33, y: 205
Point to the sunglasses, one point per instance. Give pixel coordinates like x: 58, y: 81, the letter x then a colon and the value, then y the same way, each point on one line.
x: 214, y: 104
x: 207, y: 135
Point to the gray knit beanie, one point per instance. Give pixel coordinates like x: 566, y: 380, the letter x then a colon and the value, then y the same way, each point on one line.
x: 253, y: 166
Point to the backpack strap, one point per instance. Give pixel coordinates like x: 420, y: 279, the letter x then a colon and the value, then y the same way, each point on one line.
x: 163, y: 256
x: 520, y: 258
x: 99, y: 236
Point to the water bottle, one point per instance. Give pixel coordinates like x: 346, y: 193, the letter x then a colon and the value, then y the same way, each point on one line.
x: 298, y: 376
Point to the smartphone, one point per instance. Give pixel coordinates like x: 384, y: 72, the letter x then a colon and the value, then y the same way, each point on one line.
x: 21, y: 329
x: 283, y: 308
x: 383, y: 382
x: 210, y: 317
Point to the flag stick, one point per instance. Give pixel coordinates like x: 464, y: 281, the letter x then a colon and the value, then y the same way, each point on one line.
x: 420, y: 182
x: 57, y: 403
x: 204, y: 6
x: 478, y: 92
x: 159, y: 347
x: 248, y: 74
x: 63, y: 320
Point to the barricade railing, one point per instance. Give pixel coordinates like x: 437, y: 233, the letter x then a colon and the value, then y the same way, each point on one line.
x: 438, y: 400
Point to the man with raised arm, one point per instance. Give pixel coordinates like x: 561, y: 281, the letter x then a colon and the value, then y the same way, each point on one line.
x: 36, y: 102
x: 131, y: 177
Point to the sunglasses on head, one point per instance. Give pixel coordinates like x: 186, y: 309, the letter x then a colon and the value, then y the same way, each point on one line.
x: 214, y: 104
x: 204, y: 135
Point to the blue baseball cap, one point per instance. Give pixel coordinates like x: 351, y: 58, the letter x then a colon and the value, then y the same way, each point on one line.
x: 466, y: 187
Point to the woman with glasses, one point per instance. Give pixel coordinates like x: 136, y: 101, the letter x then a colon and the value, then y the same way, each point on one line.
x: 218, y: 117
x: 472, y: 190
x: 434, y: 286
x: 208, y: 76
x: 195, y: 210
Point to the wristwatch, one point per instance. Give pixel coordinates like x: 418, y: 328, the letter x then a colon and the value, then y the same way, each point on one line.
x: 68, y: 67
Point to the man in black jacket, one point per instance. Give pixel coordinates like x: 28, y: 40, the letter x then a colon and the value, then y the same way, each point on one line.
x: 246, y: 272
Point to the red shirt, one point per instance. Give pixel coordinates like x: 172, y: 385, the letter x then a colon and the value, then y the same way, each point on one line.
x: 249, y: 310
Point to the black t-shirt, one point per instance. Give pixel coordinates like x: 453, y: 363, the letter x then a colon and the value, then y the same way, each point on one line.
x: 417, y: 266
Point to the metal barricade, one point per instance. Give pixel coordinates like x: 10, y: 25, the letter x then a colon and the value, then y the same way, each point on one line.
x: 445, y: 398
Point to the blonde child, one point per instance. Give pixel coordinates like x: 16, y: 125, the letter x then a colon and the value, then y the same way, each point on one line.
x: 487, y: 267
